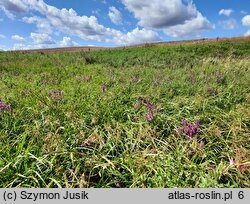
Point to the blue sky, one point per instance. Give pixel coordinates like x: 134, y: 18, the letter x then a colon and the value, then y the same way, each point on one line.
x: 30, y: 24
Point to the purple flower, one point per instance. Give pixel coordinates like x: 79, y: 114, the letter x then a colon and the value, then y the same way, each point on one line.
x: 4, y: 106
x: 150, y: 106
x: 197, y: 124
x: 180, y: 131
x: 232, y: 161
x: 134, y: 78
x: 210, y: 90
x: 184, y: 122
x: 241, y: 166
x: 149, y: 116
x: 7, y: 108
x: 212, y: 167
x: 56, y: 94
x: 188, y: 129
x: 103, y: 87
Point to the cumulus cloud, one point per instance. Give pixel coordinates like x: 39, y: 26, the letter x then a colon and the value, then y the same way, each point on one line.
x: 68, y: 22
x: 18, y: 6
x: 246, y: 22
x: 11, y: 7
x: 41, y: 39
x: 62, y: 20
x: 176, y: 17
x: 42, y: 24
x: 160, y: 13
x: 193, y: 27
x: 17, y: 38
x: 137, y: 36
x: 115, y: 15
x: 229, y: 24
x: 225, y: 12
x: 67, y: 42
x: 87, y: 28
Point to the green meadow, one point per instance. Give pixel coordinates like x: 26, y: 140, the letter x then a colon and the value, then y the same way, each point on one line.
x: 162, y: 117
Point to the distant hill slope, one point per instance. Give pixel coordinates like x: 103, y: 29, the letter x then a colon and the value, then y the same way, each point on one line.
x: 87, y: 49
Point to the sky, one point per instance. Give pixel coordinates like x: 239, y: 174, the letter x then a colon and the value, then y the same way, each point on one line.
x: 33, y: 24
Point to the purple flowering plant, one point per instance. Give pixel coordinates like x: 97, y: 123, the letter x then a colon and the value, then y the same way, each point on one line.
x: 148, y: 104
x: 189, y: 129
x: 103, y: 87
x: 149, y: 116
x: 4, y: 106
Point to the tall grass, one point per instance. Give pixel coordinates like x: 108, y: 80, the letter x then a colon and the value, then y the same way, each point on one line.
x: 65, y: 131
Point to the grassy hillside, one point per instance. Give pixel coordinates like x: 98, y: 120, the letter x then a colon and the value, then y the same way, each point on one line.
x: 173, y: 116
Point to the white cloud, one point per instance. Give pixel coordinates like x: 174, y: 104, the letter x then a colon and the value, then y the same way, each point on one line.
x: 87, y: 28
x: 176, y: 17
x: 18, y: 6
x: 62, y: 20
x: 41, y: 39
x: 19, y: 46
x: 226, y: 12
x: 7, y: 13
x: 68, y: 22
x: 229, y: 24
x: 137, y: 36
x: 17, y: 38
x: 115, y: 15
x: 42, y: 24
x: 2, y: 36
x: 160, y: 13
x: 247, y: 33
x: 246, y: 22
x: 193, y: 27
x: 67, y: 42
x: 11, y: 7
